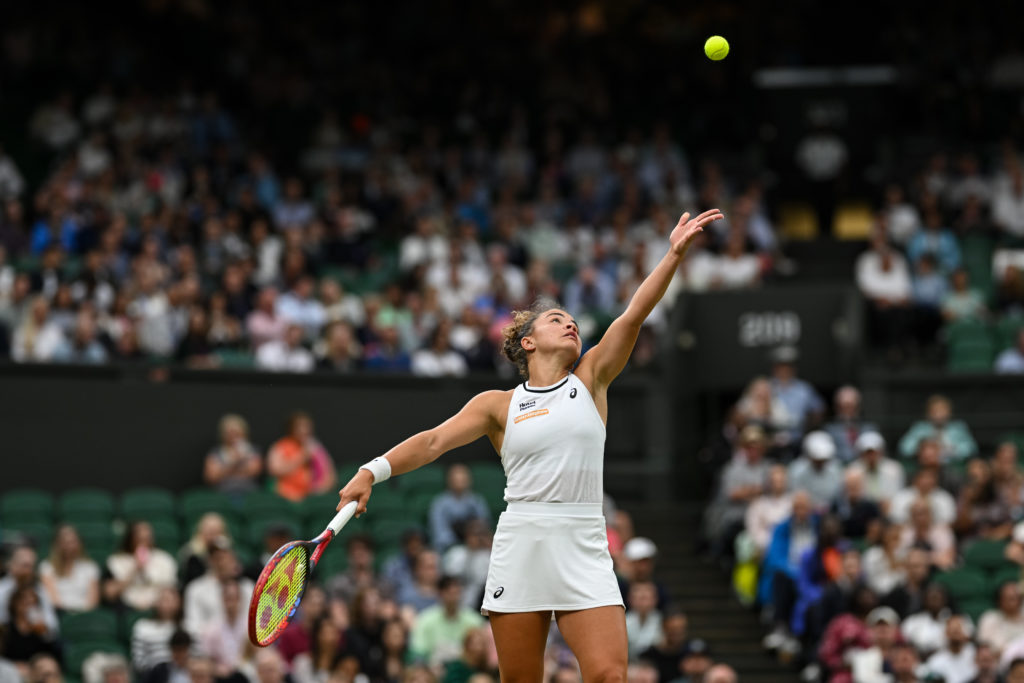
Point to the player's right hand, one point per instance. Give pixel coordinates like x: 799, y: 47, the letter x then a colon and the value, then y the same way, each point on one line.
x: 358, y: 488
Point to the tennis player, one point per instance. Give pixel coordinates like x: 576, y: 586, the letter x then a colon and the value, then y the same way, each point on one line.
x: 550, y: 551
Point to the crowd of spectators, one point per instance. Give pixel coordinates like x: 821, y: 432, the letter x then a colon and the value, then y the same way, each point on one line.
x: 867, y: 558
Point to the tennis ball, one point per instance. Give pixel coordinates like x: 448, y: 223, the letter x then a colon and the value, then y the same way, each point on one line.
x: 716, y: 48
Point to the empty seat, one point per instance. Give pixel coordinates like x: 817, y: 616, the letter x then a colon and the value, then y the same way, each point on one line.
x: 986, y: 555
x: 147, y: 503
x: 98, y: 624
x: 26, y: 504
x: 965, y: 584
x: 86, y: 504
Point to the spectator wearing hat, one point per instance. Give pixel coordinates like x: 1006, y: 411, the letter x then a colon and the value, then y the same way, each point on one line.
x: 848, y: 425
x: 817, y: 472
x: 697, y: 661
x: 790, y: 540
x: 640, y: 552
x: 953, y: 436
x: 800, y: 400
x: 883, y: 477
x: 743, y: 480
x: 924, y: 485
x: 955, y: 660
x: 856, y: 512
x: 1004, y: 623
x: 668, y: 653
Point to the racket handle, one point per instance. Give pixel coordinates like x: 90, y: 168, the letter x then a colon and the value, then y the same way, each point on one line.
x: 343, y: 516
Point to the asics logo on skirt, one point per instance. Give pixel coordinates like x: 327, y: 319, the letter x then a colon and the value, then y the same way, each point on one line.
x: 497, y: 593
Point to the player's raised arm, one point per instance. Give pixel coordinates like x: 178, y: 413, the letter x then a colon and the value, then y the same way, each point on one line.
x: 477, y: 418
x: 605, y: 361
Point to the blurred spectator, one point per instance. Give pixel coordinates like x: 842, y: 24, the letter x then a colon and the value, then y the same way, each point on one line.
x: 385, y: 353
x: 437, y: 634
x: 474, y: 659
x: 151, y: 635
x: 955, y: 659
x: 982, y: 510
x: 759, y: 406
x: 83, y: 347
x: 194, y: 557
x: 924, y: 485
x: 963, y: 302
x: 640, y: 552
x: 849, y: 635
x: 71, y: 579
x: 270, y: 667
x: 468, y: 561
x: 12, y: 183
x: 736, y: 267
x: 591, y: 290
x: 264, y: 324
x: 818, y: 567
x: 987, y: 663
x: 817, y: 471
x: 926, y: 630
x: 721, y: 673
x: 37, y: 338
x: 1004, y: 623
x: 901, y: 216
x: 424, y: 246
x: 235, y: 465
x: 643, y: 620
x: 937, y: 240
x: 790, y: 540
x: 138, y: 570
x: 800, y: 399
x: 9, y: 673
x: 769, y: 509
x: 883, y: 477
x: 423, y: 592
x: 42, y: 668
x: 923, y: 532
x: 297, y: 636
x: 298, y: 306
x: 27, y: 633
x: 697, y: 661
x: 743, y: 480
x: 286, y: 354
x: 1008, y: 205
x: 883, y: 277
x: 359, y: 574
x: 398, y: 570
x: 21, y: 573
x: 451, y: 509
x: 908, y: 597
x: 203, y: 598
x: 930, y: 292
x: 329, y: 647
x: 275, y: 535
x: 299, y: 463
x: 341, y: 350
x: 195, y: 349
x: 1011, y: 360
x: 438, y: 358
x: 837, y: 596
x: 226, y: 638
x: 848, y: 425
x: 953, y: 435
x: 668, y: 653
x: 856, y: 512
x: 175, y: 669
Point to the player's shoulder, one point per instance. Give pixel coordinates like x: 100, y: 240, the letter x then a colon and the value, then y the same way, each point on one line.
x: 493, y: 397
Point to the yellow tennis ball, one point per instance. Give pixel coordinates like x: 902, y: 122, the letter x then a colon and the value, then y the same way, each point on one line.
x: 716, y: 48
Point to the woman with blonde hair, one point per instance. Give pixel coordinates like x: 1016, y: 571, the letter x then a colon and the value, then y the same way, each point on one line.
x: 193, y: 558
x: 550, y: 551
x: 235, y: 465
x: 70, y: 578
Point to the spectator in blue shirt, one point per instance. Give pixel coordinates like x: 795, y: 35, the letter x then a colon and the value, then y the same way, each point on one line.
x: 453, y: 508
x: 936, y: 240
x: 799, y: 398
x: 954, y: 436
x: 1011, y: 361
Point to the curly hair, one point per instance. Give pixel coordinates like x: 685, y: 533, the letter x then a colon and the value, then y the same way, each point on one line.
x: 522, y: 326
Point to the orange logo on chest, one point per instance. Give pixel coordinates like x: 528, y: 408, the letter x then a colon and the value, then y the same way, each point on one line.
x: 532, y: 413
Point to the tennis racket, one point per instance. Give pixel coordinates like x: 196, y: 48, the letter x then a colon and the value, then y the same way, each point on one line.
x: 282, y: 582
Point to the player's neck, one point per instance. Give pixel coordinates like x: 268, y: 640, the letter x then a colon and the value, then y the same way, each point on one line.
x: 546, y: 372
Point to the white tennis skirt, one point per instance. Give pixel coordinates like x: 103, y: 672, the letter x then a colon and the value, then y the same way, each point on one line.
x: 550, y: 557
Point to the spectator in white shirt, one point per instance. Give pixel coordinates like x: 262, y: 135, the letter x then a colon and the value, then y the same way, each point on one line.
x: 736, y: 268
x: 923, y: 532
x: 225, y: 638
x: 1011, y: 361
x: 901, y: 216
x: 300, y: 307
x: 424, y: 246
x: 286, y: 355
x: 643, y: 620
x: 151, y: 636
x: 38, y: 338
x: 1003, y: 624
x: 12, y: 184
x: 926, y: 630
x: 955, y: 660
x: 1008, y: 205
x: 512, y: 275
x: 439, y: 358
x: 204, y: 602
x: 769, y: 510
x: 883, y: 277
x: 71, y: 579
x: 925, y: 485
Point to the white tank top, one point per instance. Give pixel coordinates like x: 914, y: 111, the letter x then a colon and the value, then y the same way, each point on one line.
x: 553, y: 451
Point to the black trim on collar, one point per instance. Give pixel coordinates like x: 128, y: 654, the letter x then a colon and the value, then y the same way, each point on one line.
x: 544, y: 391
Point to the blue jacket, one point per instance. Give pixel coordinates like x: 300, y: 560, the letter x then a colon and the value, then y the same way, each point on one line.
x: 776, y: 559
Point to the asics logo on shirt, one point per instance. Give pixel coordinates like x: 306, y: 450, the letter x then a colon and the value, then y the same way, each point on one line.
x: 572, y: 394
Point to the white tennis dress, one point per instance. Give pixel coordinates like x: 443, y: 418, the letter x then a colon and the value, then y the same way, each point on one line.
x: 550, y: 549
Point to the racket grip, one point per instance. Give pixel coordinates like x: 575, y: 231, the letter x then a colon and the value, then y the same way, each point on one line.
x: 343, y: 516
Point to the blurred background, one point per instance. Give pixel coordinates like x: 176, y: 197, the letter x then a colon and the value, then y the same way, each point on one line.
x: 239, y: 235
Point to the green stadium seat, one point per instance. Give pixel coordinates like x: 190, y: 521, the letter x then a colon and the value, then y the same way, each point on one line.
x: 39, y: 534
x: 965, y: 584
x: 967, y: 331
x: 78, y: 652
x: 167, y: 533
x: 321, y: 506
x: 429, y: 479
x: 86, y: 504
x: 98, y: 624
x: 235, y: 358
x: 266, y: 504
x: 333, y: 562
x: 977, y: 260
x: 488, y: 479
x: 1006, y: 330
x: 1001, y: 576
x: 98, y: 539
x: 194, y: 503
x: 388, y: 532
x: 975, y: 607
x: 390, y: 506
x: 147, y: 503
x: 420, y: 506
x: 986, y: 555
x: 971, y: 356
x: 257, y: 528
x: 26, y: 505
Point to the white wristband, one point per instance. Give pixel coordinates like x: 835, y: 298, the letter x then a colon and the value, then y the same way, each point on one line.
x: 380, y: 468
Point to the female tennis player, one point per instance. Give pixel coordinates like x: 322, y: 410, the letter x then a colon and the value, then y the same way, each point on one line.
x: 550, y: 550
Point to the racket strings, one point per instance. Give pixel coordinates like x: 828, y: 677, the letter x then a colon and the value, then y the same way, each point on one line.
x: 277, y: 600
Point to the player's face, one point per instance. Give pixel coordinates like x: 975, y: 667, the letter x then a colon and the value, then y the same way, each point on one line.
x: 556, y: 329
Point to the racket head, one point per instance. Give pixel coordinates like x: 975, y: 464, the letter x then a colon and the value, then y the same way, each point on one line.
x: 279, y: 591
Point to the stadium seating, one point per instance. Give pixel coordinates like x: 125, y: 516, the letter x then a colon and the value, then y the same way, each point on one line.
x: 425, y: 479
x: 26, y: 505
x: 98, y: 624
x: 147, y: 503
x: 166, y: 533
x: 986, y: 555
x: 194, y: 503
x: 86, y: 504
x: 966, y: 584
x: 971, y: 347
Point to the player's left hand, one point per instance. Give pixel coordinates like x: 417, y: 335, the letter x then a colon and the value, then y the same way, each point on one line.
x: 687, y: 228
